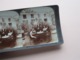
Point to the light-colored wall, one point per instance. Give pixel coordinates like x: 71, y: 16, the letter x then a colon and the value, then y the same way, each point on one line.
x: 9, y: 14
x: 41, y: 11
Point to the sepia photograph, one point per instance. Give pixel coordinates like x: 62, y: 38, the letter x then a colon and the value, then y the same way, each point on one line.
x: 27, y: 27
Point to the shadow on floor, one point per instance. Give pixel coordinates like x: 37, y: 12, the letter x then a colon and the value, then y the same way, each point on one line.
x: 28, y: 52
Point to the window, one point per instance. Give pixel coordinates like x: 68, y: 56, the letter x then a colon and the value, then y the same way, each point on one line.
x: 9, y: 19
x: 24, y: 16
x: 10, y: 24
x: 32, y: 15
x: 45, y: 19
x: 44, y: 15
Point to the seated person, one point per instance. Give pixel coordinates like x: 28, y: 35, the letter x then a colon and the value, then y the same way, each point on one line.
x: 3, y: 32
x: 34, y: 36
x: 32, y: 33
x: 9, y: 39
x: 41, y: 26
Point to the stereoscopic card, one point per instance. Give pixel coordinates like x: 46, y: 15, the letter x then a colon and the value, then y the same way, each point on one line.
x: 29, y: 28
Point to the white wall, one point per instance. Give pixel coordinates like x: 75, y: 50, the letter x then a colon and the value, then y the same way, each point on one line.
x: 70, y: 22
x: 9, y: 14
x: 41, y: 11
